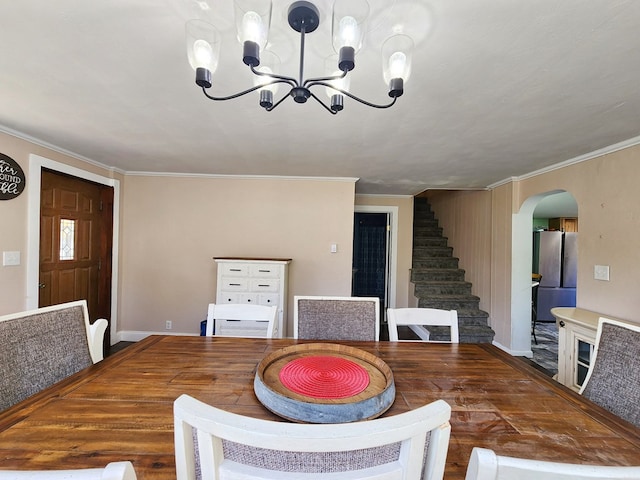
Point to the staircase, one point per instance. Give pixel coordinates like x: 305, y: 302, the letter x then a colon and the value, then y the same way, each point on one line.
x: 439, y: 283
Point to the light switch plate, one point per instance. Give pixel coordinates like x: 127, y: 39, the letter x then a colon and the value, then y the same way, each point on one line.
x: 10, y: 259
x: 601, y: 272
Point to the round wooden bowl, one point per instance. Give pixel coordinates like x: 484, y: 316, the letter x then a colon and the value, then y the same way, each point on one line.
x: 370, y: 403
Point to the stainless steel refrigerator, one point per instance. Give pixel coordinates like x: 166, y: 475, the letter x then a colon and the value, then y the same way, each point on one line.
x: 555, y: 258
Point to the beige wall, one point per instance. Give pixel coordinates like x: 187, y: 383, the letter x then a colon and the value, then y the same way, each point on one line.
x: 174, y: 226
x: 608, y: 197
x: 404, y: 204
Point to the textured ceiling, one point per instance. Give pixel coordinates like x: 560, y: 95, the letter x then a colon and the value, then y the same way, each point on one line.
x: 498, y: 89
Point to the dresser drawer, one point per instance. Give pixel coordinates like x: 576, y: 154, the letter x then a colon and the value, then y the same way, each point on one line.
x: 248, y: 298
x: 234, y: 269
x: 228, y: 297
x: 264, y: 270
x: 234, y: 284
x: 264, y: 285
x: 269, y: 299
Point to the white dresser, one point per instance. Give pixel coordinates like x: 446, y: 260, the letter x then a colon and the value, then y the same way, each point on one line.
x: 576, y: 339
x: 260, y: 281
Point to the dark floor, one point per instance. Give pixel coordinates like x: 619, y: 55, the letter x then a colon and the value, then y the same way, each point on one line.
x: 116, y: 348
x: 545, y: 352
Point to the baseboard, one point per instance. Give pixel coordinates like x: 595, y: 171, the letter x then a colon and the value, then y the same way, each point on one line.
x: 515, y: 353
x: 136, y: 336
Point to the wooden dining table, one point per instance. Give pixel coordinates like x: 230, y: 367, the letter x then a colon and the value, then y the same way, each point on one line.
x: 121, y: 408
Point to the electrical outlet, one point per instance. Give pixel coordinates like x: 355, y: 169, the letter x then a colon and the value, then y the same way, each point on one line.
x: 169, y: 325
x: 601, y: 272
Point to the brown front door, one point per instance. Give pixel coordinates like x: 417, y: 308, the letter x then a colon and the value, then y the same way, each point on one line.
x: 76, y: 218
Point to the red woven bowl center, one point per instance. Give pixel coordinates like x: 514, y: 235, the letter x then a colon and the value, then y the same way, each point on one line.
x: 324, y: 376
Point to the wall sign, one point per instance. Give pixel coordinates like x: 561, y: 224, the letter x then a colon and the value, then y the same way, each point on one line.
x: 12, y: 179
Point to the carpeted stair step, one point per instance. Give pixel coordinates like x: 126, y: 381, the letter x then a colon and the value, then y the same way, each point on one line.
x: 438, y: 287
x: 426, y: 223
x: 421, y: 274
x: 450, y: 302
x: 439, y: 283
x: 435, y: 262
x: 472, y: 317
x: 420, y: 252
x: 474, y: 334
x: 429, y: 241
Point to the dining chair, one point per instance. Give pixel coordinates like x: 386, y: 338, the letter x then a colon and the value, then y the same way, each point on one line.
x: 43, y: 346
x: 336, y: 318
x: 484, y: 464
x: 417, y: 319
x: 613, y: 378
x: 261, y: 319
x: 214, y: 444
x: 113, y: 471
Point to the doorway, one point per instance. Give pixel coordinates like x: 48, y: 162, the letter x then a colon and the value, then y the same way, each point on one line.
x: 37, y: 164
x: 521, y: 269
x: 370, y: 266
x: 555, y: 255
x: 76, y: 224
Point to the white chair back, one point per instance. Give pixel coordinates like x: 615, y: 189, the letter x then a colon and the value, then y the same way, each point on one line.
x: 221, y: 444
x: 113, y: 471
x: 258, y: 314
x: 336, y: 318
x: 484, y: 464
x: 613, y: 379
x: 419, y: 318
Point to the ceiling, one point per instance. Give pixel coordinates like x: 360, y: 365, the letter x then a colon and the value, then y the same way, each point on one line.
x: 499, y: 89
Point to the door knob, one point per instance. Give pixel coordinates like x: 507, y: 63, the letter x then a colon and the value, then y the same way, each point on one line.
x: 41, y: 285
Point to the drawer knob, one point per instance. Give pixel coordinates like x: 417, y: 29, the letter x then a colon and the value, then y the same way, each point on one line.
x: 562, y: 323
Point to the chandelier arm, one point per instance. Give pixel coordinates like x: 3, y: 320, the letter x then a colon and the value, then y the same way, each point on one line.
x: 350, y: 95
x: 239, y: 94
x: 322, y: 103
x: 309, y: 81
x: 283, y: 79
x: 284, y: 97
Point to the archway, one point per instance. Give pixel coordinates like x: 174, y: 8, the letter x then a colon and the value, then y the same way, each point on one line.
x: 522, y: 254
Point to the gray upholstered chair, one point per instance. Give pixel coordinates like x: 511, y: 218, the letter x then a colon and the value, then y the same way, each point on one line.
x: 113, y: 471
x: 613, y: 379
x: 336, y: 318
x: 213, y: 444
x: 43, y: 346
x: 484, y: 464
x: 417, y: 319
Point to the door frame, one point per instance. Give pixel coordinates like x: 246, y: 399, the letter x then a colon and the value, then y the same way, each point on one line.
x: 521, y: 255
x: 393, y: 257
x: 36, y: 164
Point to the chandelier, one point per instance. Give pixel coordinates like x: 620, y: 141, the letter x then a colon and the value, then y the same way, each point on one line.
x: 253, y: 18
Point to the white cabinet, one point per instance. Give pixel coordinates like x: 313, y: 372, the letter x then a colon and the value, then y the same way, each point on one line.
x: 576, y: 339
x: 261, y: 281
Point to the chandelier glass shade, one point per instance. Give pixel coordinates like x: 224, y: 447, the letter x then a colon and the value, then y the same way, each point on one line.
x: 253, y: 19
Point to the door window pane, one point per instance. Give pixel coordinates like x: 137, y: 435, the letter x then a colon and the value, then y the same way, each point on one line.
x: 67, y: 239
